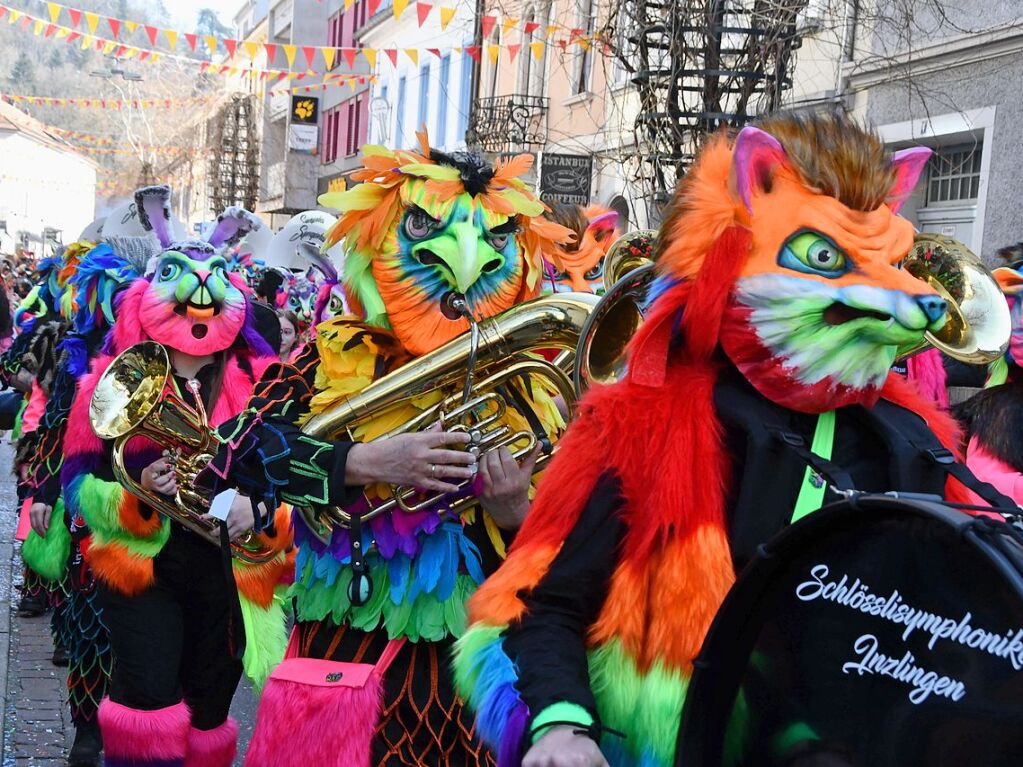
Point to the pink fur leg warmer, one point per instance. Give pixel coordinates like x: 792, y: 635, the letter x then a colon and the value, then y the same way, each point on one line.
x: 134, y: 738
x: 213, y: 748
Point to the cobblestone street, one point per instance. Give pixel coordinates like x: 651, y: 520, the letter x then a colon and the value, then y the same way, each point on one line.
x: 37, y: 730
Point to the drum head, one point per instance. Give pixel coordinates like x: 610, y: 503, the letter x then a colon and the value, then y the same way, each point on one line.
x: 874, y: 633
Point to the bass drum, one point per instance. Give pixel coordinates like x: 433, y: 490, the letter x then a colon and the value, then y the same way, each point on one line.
x: 878, y: 632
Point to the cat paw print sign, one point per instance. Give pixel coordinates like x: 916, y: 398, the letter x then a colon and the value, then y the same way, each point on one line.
x: 303, y: 133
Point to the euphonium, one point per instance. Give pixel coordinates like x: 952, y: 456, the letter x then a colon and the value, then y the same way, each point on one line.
x: 628, y: 272
x: 474, y: 375
x: 133, y: 399
x: 978, y: 326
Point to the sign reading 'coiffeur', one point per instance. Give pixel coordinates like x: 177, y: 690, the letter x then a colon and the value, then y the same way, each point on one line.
x: 566, y: 178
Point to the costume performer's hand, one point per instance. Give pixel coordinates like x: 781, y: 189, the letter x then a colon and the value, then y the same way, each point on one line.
x: 561, y: 747
x: 240, y: 518
x: 420, y: 460
x: 505, y: 493
x: 159, y: 477
x: 39, y: 516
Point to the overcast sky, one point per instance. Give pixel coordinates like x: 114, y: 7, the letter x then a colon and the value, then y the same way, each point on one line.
x: 185, y: 12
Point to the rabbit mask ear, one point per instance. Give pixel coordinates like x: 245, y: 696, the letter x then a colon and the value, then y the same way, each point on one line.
x: 153, y: 204
x: 909, y: 164
x: 233, y: 224
x: 319, y: 260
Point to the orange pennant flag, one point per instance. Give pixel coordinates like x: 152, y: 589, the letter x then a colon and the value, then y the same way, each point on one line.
x: 399, y: 8
x: 446, y: 15
x: 54, y: 10
x: 91, y: 20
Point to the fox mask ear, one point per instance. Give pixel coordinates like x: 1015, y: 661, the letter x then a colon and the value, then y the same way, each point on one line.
x: 1009, y: 280
x: 754, y: 159
x: 909, y: 164
x: 603, y: 226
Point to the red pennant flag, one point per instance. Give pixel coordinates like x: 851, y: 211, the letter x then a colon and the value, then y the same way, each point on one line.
x: 99, y: 45
x: 26, y: 21
x: 271, y: 52
x: 300, y: 76
x: 310, y: 54
x: 531, y: 27
x: 167, y: 103
x: 103, y: 104
x: 120, y: 51
x: 576, y: 32
x: 50, y: 29
x: 422, y: 11
x: 434, y: 51
x: 474, y: 51
x: 3, y: 10
x: 262, y: 75
x: 231, y: 45
x: 135, y: 104
x: 224, y: 68
x: 204, y: 66
x: 563, y: 44
x: 513, y: 50
x: 143, y: 55
x: 192, y: 40
x: 488, y: 26
x: 392, y: 54
x: 151, y: 34
x: 70, y: 38
x: 349, y: 54
x: 76, y: 16
x: 373, y: 6
x: 115, y: 27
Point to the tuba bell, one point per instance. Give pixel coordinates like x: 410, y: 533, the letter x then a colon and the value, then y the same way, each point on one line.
x: 474, y: 376
x: 628, y: 272
x: 978, y: 326
x: 133, y: 399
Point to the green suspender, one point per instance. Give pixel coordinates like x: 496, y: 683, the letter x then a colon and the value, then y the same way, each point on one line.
x: 811, y: 493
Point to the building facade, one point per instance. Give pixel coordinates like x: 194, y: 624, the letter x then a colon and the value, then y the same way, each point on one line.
x: 47, y: 190
x: 943, y: 75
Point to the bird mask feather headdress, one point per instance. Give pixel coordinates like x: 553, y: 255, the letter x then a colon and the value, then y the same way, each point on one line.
x: 422, y: 225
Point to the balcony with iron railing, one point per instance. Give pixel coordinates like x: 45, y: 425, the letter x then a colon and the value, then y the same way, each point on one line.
x: 511, y: 123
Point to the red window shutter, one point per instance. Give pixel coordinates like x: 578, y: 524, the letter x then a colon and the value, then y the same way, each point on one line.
x: 343, y: 129
x: 363, y: 122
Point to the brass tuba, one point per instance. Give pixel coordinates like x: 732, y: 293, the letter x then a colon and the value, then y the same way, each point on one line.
x: 978, y: 326
x: 133, y: 399
x: 628, y: 272
x: 474, y: 375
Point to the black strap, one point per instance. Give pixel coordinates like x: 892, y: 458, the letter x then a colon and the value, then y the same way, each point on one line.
x: 945, y: 460
x: 235, y: 621
x: 593, y: 731
x: 836, y: 476
x: 527, y: 412
x: 360, y: 589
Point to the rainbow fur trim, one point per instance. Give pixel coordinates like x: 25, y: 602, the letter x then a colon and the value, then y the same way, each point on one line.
x: 48, y: 556
x: 421, y: 581
x: 213, y: 748
x: 266, y: 638
x: 133, y: 738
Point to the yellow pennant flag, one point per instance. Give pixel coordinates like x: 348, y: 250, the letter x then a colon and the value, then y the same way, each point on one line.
x: 446, y: 14
x: 62, y: 32
x: 537, y: 49
x: 155, y: 58
x: 251, y: 48
x: 551, y: 29
x: 493, y: 52
x: 371, y: 56
x: 289, y: 54
x: 37, y: 28
x: 109, y: 47
x: 131, y: 25
x: 91, y: 20
x: 584, y: 43
x: 211, y: 43
x: 348, y: 4
x: 54, y: 10
x: 506, y: 25
x: 351, y: 84
x: 13, y: 16
x: 328, y: 56
x: 131, y: 53
x: 86, y: 42
x: 399, y: 8
x: 413, y: 55
x: 172, y: 38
